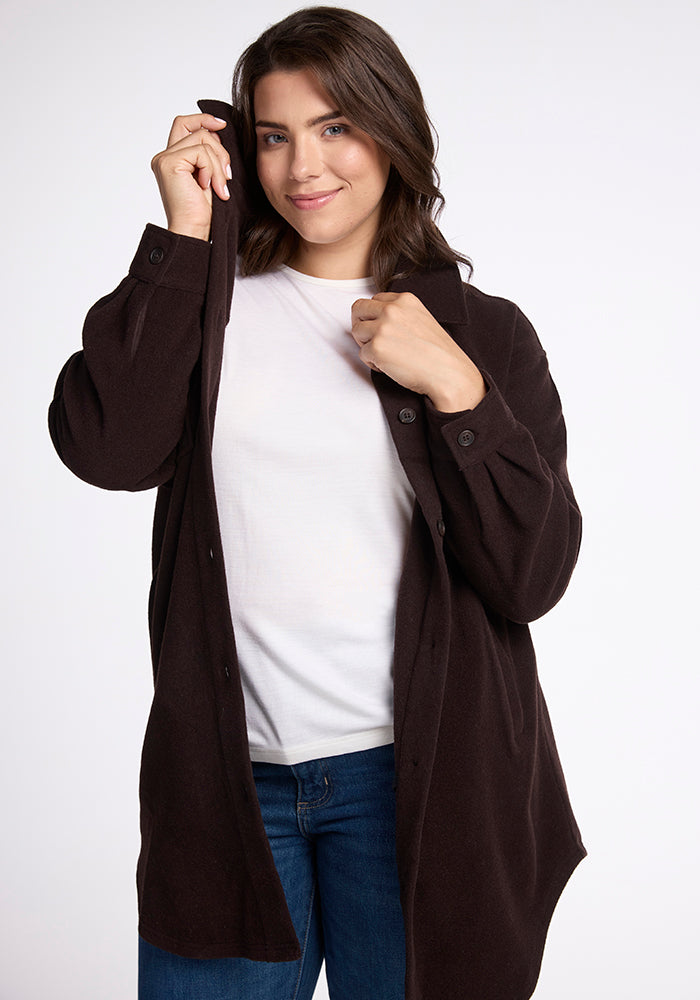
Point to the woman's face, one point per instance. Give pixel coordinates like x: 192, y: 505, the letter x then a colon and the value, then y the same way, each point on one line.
x: 324, y: 176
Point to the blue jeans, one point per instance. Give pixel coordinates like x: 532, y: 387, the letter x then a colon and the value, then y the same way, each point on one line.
x: 330, y: 823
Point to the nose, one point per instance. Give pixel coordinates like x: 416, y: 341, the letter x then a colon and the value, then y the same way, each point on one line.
x: 305, y: 162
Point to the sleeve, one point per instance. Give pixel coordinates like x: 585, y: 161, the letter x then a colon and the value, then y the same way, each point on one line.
x: 511, y: 518
x: 119, y: 405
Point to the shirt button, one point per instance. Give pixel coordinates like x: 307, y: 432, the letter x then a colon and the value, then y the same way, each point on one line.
x: 466, y: 438
x: 441, y: 527
x: 156, y: 255
x: 407, y: 415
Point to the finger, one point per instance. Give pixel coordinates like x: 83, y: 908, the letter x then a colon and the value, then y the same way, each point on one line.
x: 205, y: 137
x: 188, y: 129
x: 200, y: 135
x: 361, y: 333
x: 365, y: 309
x: 216, y: 165
x: 185, y: 125
x: 188, y: 165
x: 204, y: 168
x: 386, y: 296
x: 210, y: 173
x: 367, y: 357
x: 209, y: 162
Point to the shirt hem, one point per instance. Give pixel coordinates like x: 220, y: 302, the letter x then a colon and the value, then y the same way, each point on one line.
x: 253, y: 950
x: 367, y: 740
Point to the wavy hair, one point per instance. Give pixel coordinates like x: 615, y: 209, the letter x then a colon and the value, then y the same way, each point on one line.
x: 362, y: 70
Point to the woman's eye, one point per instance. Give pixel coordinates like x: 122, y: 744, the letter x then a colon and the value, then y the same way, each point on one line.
x: 336, y: 130
x: 274, y: 139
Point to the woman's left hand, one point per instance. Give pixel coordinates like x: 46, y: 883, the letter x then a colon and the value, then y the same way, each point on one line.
x: 398, y: 336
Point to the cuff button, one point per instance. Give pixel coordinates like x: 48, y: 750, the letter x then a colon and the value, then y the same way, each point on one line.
x: 465, y: 438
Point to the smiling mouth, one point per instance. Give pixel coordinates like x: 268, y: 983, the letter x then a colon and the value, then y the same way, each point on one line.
x: 315, y: 199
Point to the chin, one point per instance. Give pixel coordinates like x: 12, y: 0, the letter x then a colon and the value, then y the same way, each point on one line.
x: 321, y: 239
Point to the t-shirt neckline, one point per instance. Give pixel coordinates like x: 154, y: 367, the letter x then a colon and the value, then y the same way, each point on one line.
x: 339, y: 283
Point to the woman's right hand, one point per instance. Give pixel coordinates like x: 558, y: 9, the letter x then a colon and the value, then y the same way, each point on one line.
x: 192, y: 165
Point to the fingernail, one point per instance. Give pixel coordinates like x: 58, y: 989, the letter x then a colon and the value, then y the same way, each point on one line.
x: 228, y: 172
x: 226, y: 191
x: 219, y: 120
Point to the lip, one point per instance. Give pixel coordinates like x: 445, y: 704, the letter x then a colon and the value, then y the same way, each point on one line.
x: 312, y: 200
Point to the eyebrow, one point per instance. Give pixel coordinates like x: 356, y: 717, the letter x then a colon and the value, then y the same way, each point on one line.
x: 310, y: 124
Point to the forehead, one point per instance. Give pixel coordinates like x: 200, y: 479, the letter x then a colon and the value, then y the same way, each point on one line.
x: 290, y: 89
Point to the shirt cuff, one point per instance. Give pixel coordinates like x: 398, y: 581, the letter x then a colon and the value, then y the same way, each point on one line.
x: 172, y: 260
x: 469, y: 436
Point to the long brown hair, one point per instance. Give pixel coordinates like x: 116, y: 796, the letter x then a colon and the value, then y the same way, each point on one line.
x: 361, y: 68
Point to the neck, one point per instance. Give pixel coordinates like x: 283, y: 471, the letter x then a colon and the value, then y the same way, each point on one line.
x: 329, y: 261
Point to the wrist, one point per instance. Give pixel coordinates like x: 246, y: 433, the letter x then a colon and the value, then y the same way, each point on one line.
x: 185, y: 229
x: 457, y: 395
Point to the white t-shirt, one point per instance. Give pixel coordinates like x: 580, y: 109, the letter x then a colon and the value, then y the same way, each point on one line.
x: 314, y: 509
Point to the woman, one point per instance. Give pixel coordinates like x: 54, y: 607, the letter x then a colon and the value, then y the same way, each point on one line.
x: 361, y: 475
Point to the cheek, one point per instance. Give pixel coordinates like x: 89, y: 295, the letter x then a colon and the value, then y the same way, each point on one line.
x: 355, y: 162
x: 267, y: 175
x: 262, y: 172
x: 382, y: 166
x: 368, y: 166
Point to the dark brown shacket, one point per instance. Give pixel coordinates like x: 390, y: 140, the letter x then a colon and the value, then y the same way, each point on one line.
x: 486, y: 838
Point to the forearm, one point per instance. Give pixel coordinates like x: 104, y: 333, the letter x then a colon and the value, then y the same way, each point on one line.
x: 511, y: 517
x: 120, y: 403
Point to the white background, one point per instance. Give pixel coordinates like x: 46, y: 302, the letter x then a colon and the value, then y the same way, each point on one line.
x: 569, y: 156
